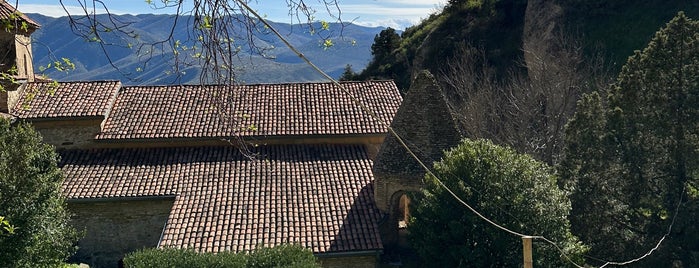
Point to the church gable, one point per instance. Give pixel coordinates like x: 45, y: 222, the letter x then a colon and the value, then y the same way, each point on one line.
x: 425, y: 124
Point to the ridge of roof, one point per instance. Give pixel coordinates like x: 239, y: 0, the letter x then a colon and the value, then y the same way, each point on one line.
x: 258, y: 84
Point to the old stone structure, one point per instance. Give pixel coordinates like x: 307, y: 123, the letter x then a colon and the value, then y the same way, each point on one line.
x: 148, y: 166
x: 16, y: 59
x: 124, y: 224
x: 233, y: 167
x: 426, y: 126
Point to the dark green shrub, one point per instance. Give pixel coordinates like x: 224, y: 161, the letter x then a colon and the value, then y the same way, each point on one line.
x: 171, y: 257
x: 512, y: 189
x: 280, y: 256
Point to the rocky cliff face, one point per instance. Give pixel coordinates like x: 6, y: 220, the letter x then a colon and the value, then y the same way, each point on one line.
x: 513, y: 33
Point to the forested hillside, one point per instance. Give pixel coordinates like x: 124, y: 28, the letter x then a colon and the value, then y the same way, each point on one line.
x: 514, y: 69
x: 504, y: 28
x: 55, y: 40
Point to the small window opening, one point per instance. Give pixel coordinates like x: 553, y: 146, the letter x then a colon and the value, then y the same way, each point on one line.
x: 25, y: 67
x: 403, y: 211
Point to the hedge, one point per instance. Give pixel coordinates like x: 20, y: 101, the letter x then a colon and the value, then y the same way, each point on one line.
x: 291, y: 256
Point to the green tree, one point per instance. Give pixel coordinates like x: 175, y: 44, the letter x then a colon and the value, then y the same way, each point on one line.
x: 348, y: 74
x: 384, y: 64
x: 633, y: 163
x: 30, y: 199
x: 384, y: 44
x: 512, y: 189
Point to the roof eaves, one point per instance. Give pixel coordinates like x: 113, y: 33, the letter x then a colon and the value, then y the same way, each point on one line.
x: 7, y: 11
x: 63, y: 118
x: 120, y: 198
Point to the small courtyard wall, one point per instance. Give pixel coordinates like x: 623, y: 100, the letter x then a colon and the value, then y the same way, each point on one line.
x: 367, y: 260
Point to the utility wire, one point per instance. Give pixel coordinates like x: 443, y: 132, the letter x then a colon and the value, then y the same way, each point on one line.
x: 669, y: 230
x: 424, y: 166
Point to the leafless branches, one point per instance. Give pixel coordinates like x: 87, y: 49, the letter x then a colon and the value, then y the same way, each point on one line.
x: 219, y: 31
x: 525, y: 111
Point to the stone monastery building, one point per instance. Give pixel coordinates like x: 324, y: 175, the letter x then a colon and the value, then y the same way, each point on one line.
x: 163, y: 166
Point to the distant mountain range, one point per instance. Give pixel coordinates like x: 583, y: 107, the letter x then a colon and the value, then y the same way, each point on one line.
x: 55, y: 40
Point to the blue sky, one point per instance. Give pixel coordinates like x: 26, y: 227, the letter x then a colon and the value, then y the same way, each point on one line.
x: 391, y: 13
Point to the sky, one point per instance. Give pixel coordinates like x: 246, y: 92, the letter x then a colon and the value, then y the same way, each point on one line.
x: 398, y: 14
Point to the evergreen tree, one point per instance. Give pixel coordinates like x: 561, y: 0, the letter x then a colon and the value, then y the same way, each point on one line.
x: 348, y: 74
x: 384, y: 64
x: 631, y: 167
x: 30, y: 199
x: 384, y: 44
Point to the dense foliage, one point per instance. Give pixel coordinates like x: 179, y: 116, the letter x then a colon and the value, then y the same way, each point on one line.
x: 30, y: 200
x: 279, y: 256
x: 612, y: 28
x: 495, y: 25
x: 512, y: 189
x: 619, y: 27
x: 632, y: 163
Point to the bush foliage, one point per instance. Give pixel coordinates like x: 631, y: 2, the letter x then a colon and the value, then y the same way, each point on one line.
x: 31, y: 201
x: 291, y: 256
x: 510, y: 188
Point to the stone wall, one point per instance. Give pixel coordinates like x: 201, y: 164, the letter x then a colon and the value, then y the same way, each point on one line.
x: 69, y: 134
x: 7, y: 60
x: 349, y: 261
x: 114, y: 228
x: 7, y: 49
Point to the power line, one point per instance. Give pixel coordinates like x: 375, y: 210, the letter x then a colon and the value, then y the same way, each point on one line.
x: 428, y: 170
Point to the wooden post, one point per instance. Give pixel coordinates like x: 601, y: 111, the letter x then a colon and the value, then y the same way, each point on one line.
x: 528, y: 260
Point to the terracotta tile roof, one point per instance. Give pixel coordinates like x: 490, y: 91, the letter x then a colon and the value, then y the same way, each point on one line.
x: 8, y: 12
x: 318, y: 196
x: 44, y: 100
x: 142, y: 112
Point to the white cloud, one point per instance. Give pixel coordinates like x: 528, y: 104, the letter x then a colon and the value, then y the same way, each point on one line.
x: 398, y: 24
x: 371, y: 15
x: 378, y: 15
x: 49, y: 10
x: 386, y: 11
x: 59, y: 11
